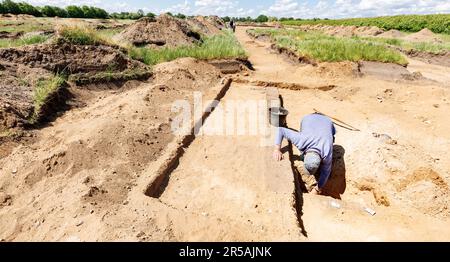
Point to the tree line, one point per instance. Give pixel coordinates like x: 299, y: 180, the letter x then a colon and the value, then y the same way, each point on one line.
x: 71, y: 11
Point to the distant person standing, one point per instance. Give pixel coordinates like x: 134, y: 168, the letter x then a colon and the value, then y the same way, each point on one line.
x: 233, y: 25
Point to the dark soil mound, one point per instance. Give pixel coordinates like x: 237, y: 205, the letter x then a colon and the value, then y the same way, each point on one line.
x: 65, y: 57
x: 10, y: 35
x: 162, y: 31
x: 22, y: 68
x: 208, y: 25
x: 16, y: 94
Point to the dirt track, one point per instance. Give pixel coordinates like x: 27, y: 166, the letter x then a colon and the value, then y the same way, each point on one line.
x: 84, y: 179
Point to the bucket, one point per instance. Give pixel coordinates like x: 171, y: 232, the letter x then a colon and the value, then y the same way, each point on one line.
x: 277, y: 116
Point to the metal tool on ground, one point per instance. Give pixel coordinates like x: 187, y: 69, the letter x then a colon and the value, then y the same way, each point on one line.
x: 340, y: 122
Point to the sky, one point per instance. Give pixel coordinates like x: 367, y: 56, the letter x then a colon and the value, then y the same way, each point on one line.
x: 278, y: 8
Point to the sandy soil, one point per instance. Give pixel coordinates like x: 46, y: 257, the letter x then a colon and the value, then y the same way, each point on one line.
x: 397, y: 173
x: 209, y: 25
x: 84, y: 178
x: 424, y: 35
x: 375, y: 170
x: 22, y: 68
x: 77, y: 180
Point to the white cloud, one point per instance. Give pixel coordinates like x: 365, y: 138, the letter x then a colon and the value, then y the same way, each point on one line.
x: 355, y: 8
x: 216, y: 7
x: 244, y: 12
x: 184, y: 8
x: 279, y: 8
x: 283, y: 6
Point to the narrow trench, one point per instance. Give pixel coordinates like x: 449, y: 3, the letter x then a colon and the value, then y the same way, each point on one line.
x: 299, y: 187
x: 298, y: 192
x: 284, y: 85
x: 157, y: 187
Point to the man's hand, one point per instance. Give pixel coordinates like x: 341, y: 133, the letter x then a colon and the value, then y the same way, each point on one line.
x: 277, y: 155
x: 316, y: 191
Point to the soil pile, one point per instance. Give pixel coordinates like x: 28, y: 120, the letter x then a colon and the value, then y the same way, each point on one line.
x: 208, y: 25
x: 11, y: 35
x: 187, y: 72
x: 368, y: 31
x: 17, y: 17
x: 105, y: 184
x: 22, y: 68
x: 165, y: 31
x: 16, y: 94
x: 424, y: 35
x: 64, y: 57
x: 392, y: 34
x: 344, y: 31
x: 216, y: 21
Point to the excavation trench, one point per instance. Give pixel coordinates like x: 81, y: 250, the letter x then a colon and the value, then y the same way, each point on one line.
x: 159, y: 184
x: 256, y: 194
x: 298, y: 193
x: 299, y: 186
x: 283, y: 85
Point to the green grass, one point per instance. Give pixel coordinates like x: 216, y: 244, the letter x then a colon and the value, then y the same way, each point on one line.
x: 36, y: 39
x: 44, y: 89
x: 408, y: 45
x: 81, y: 35
x: 29, y: 25
x: 324, y: 48
x: 445, y: 38
x: 108, y: 33
x: 439, y: 23
x: 428, y: 47
x: 220, y: 46
x: 10, y: 133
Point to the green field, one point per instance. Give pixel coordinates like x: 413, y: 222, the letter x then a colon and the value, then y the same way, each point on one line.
x: 324, y: 48
x: 409, y: 23
x: 37, y: 39
x: 429, y: 47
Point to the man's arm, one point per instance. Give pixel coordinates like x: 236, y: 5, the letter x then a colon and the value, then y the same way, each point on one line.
x: 325, y: 171
x: 291, y: 135
x: 287, y: 133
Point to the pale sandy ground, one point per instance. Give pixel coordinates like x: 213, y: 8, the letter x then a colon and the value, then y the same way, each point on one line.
x: 406, y: 174
x: 227, y: 188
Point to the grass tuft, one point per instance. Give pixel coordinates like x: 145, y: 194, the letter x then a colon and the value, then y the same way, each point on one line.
x: 43, y: 91
x: 30, y: 40
x: 81, y: 35
x: 324, y: 48
x: 429, y: 47
x: 220, y: 46
x: 438, y: 23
